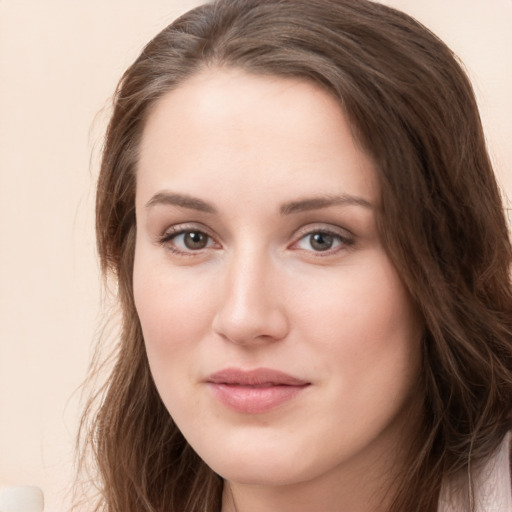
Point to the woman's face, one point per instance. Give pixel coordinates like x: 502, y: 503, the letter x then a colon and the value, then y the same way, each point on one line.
x: 280, y: 336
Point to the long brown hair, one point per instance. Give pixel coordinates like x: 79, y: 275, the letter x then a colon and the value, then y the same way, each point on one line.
x: 412, y: 109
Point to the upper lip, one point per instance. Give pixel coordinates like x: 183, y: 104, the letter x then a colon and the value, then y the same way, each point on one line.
x: 255, y: 377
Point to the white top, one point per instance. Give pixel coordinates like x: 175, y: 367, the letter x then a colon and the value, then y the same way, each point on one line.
x: 492, y: 486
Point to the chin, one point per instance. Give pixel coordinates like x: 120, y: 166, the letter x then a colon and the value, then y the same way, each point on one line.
x: 264, y: 473
x: 263, y: 464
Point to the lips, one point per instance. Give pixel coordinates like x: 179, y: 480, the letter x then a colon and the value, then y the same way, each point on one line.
x: 254, y: 391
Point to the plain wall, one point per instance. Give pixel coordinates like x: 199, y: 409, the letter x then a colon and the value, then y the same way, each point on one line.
x: 59, y: 63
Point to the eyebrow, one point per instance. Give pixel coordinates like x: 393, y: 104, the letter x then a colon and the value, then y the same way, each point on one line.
x: 182, y: 200
x: 316, y: 203
x: 302, y: 205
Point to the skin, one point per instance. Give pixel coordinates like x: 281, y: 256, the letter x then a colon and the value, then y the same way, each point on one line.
x: 249, y: 150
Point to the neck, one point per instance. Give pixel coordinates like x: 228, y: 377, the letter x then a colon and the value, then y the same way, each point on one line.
x: 355, y: 487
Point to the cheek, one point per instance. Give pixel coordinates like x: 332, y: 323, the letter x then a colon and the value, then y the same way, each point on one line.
x: 174, y: 313
x: 167, y: 314
x: 367, y: 329
x: 172, y: 321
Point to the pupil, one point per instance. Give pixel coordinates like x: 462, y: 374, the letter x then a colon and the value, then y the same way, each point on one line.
x: 321, y: 241
x: 195, y: 240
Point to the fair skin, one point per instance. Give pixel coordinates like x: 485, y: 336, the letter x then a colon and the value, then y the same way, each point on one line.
x: 257, y: 250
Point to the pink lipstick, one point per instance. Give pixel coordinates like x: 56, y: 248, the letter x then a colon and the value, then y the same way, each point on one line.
x: 254, y: 391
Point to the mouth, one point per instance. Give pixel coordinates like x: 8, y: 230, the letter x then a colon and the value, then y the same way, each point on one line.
x: 254, y: 391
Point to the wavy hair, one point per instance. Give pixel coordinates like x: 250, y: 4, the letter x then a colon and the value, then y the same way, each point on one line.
x: 412, y: 109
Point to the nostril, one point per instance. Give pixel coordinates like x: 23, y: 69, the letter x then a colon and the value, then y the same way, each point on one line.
x: 264, y: 326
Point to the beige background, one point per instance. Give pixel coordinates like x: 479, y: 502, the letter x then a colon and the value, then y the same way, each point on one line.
x: 59, y: 63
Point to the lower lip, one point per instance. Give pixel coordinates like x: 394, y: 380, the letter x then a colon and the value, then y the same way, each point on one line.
x: 254, y: 399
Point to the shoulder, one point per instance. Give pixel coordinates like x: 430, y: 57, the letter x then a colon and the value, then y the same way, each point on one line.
x: 508, y: 452
x: 493, y: 489
x: 492, y: 485
x: 510, y: 456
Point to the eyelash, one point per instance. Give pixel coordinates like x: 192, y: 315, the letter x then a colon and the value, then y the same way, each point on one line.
x: 344, y: 241
x: 174, y: 231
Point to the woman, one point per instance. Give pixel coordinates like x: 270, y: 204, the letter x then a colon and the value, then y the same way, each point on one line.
x: 313, y: 269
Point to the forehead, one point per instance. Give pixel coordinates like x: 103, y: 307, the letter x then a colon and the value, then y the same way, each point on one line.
x: 256, y: 131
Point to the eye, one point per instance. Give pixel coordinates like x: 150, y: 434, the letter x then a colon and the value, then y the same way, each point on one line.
x: 322, y: 241
x: 193, y: 240
x: 187, y: 240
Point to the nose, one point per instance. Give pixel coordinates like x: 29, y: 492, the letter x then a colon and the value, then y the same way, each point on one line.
x: 251, y: 309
